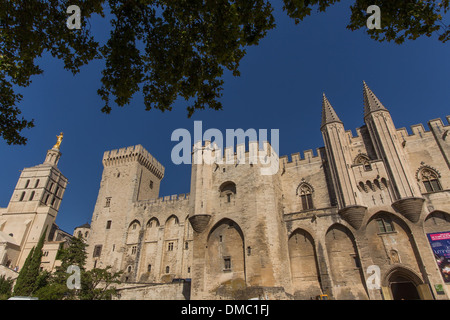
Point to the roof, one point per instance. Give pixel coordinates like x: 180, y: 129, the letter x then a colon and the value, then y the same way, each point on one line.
x: 84, y: 226
x: 328, y: 113
x: 371, y: 102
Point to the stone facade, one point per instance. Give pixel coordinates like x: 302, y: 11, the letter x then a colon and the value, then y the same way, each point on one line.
x: 315, y: 227
x: 32, y: 211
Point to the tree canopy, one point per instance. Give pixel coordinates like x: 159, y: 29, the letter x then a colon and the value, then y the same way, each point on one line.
x: 168, y: 49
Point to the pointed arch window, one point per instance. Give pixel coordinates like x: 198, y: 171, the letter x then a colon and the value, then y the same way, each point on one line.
x: 430, y: 180
x: 305, y: 191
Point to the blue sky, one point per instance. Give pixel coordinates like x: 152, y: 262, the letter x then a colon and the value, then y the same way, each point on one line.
x: 280, y: 87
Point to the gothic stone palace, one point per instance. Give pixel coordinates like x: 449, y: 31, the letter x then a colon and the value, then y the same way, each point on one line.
x: 363, y: 202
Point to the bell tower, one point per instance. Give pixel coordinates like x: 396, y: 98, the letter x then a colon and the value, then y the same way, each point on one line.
x: 34, y: 203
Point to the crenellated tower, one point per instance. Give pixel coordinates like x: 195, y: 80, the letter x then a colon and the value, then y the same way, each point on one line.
x: 130, y: 175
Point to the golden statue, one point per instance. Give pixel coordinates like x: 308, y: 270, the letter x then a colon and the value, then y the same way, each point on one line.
x: 58, y: 141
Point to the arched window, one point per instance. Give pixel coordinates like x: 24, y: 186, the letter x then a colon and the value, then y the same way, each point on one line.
x: 153, y: 223
x: 305, y: 192
x: 27, y: 183
x: 377, y: 184
x: 31, y: 196
x: 167, y: 269
x: 384, y: 182
x: 364, y: 160
x: 362, y: 186
x: 430, y: 180
x: 22, y: 196
x: 228, y: 190
x: 37, y: 183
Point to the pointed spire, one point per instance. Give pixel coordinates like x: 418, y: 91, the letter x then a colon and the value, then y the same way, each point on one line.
x: 371, y: 102
x: 328, y: 113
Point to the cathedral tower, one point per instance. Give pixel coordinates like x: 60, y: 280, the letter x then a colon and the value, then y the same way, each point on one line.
x: 34, y: 203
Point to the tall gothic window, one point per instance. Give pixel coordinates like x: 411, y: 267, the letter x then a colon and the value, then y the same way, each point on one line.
x: 305, y: 192
x: 430, y: 180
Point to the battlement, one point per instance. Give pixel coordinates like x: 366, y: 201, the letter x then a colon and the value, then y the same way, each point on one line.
x: 296, y: 160
x: 135, y: 153
x: 232, y: 155
x: 438, y: 123
x: 165, y: 199
x: 418, y: 131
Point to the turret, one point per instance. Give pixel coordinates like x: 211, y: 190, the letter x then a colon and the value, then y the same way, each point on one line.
x: 201, y: 177
x: 337, y: 149
x: 389, y: 149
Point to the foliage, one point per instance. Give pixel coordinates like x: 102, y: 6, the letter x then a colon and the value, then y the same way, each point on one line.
x: 73, y: 254
x: 30, y: 277
x: 95, y: 283
x: 27, y: 30
x: 6, y: 285
x: 168, y: 49
x: 22, y: 282
x: 400, y: 19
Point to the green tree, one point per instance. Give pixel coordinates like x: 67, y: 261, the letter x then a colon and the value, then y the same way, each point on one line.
x: 96, y: 284
x: 168, y: 49
x: 30, y: 278
x: 56, y: 288
x: 22, y: 282
x: 6, y: 285
x: 400, y: 19
x: 74, y: 254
